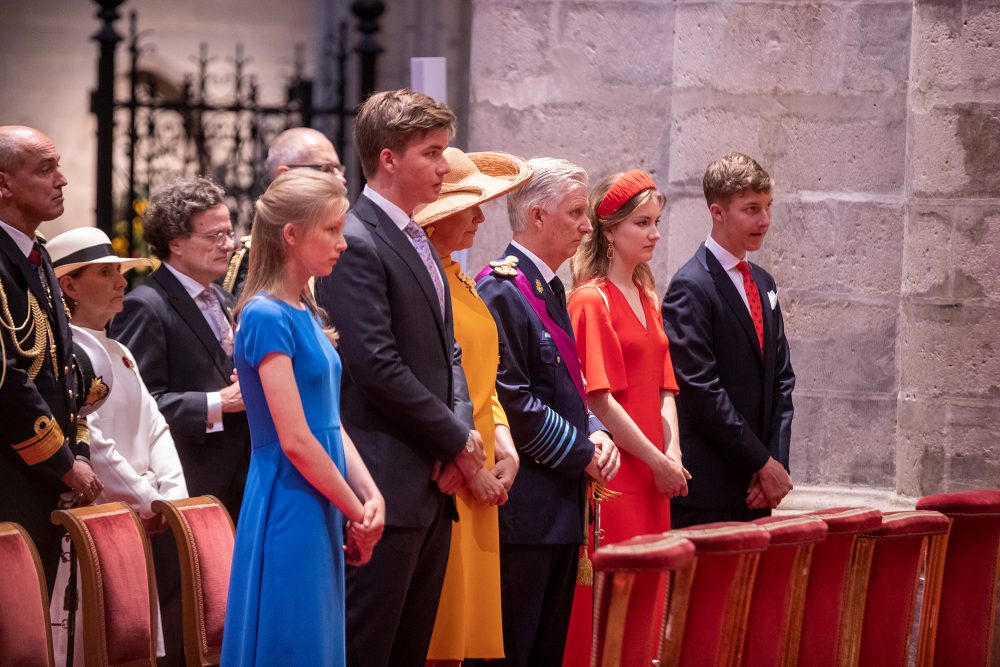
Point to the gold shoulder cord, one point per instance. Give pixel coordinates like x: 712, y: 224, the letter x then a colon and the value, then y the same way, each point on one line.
x: 229, y: 282
x: 34, y: 328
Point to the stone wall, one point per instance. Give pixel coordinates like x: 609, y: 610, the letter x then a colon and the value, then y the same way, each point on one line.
x: 879, y: 120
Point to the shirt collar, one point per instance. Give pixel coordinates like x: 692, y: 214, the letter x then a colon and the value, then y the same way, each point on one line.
x: 727, y: 259
x: 547, y: 273
x: 23, y: 242
x: 190, y: 285
x: 396, y: 214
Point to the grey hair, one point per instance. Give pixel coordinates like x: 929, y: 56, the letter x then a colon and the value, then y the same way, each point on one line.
x: 290, y: 146
x: 549, y: 181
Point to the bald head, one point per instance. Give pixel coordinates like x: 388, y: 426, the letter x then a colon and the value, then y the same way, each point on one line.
x: 30, y: 181
x: 303, y: 146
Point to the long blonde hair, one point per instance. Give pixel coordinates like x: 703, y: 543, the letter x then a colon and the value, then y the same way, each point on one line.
x: 590, y: 263
x: 300, y: 197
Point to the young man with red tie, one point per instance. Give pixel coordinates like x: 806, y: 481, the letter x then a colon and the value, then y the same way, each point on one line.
x: 731, y: 357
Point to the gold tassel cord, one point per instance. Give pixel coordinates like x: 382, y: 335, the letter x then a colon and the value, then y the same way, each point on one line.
x: 34, y: 328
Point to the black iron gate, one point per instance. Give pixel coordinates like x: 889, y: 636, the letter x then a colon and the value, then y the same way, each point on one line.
x: 199, y: 127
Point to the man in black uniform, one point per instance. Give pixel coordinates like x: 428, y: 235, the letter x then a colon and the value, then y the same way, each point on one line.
x: 39, y: 455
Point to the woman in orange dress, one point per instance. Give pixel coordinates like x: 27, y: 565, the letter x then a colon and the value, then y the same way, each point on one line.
x: 469, y: 621
x: 625, y: 357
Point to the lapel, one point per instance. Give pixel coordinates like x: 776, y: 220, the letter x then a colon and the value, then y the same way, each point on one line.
x: 534, y: 276
x: 28, y: 272
x: 188, y: 310
x: 369, y: 213
x: 59, y: 314
x: 732, y: 297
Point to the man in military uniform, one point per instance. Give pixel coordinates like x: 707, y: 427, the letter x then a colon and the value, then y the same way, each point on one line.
x: 541, y: 388
x: 39, y: 455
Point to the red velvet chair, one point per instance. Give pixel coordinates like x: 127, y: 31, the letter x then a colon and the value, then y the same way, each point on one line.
x: 711, y: 632
x: 25, y: 634
x: 632, y: 589
x: 203, y: 531
x: 835, y: 594
x: 779, y: 591
x: 119, y: 588
x: 966, y: 627
x: 907, y: 547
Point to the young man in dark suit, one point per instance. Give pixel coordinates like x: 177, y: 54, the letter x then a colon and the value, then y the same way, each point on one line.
x: 388, y: 298
x: 731, y: 358
x: 178, y: 328
x: 39, y: 454
x: 540, y: 386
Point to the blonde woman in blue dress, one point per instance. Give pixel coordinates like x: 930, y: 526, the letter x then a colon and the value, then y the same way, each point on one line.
x: 286, y: 591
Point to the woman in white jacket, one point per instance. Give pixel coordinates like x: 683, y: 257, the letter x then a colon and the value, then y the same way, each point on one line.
x: 131, y: 449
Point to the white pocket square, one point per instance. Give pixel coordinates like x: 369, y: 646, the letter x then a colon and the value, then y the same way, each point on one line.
x: 773, y: 298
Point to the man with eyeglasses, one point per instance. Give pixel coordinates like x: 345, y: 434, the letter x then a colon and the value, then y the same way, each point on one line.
x: 295, y: 148
x: 179, y: 328
x: 303, y: 148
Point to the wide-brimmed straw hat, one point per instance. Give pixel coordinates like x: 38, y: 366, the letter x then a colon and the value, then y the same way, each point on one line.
x: 87, y: 245
x: 474, y: 179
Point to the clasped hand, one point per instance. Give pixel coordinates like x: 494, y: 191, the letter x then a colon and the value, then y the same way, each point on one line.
x: 362, y: 536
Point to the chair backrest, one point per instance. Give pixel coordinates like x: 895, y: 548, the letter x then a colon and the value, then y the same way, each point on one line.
x: 835, y: 594
x: 632, y: 589
x: 779, y: 592
x: 967, y: 617
x: 907, y: 547
x: 119, y: 588
x: 203, y: 531
x: 718, y: 598
x: 25, y: 634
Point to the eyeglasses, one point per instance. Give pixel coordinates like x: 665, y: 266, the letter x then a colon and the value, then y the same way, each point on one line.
x: 331, y: 168
x: 220, y: 238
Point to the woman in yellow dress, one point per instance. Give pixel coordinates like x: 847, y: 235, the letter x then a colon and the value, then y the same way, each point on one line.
x: 468, y: 621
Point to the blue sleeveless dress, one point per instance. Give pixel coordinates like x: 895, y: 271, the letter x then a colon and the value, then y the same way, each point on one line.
x: 286, y: 590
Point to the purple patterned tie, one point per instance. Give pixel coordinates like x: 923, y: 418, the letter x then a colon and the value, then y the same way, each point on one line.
x: 223, y: 330
x: 423, y: 247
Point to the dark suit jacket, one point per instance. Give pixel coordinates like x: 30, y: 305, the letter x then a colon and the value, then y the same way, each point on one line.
x: 403, y: 376
x: 735, y: 404
x: 180, y: 360
x: 548, y: 421
x: 31, y: 466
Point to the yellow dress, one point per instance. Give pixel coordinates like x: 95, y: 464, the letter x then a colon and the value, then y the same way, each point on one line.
x: 468, y: 621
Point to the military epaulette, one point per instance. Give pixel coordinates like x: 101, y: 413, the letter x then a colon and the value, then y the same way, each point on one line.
x: 506, y: 267
x: 235, y: 262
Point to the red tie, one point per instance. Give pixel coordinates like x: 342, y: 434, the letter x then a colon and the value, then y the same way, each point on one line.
x: 35, y: 256
x: 753, y: 298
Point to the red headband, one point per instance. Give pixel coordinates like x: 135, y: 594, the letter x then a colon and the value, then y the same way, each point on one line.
x: 624, y: 188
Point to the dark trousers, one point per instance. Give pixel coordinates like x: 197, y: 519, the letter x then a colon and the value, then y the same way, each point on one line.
x: 682, y: 516
x: 392, y: 601
x: 536, y: 592
x: 168, y: 588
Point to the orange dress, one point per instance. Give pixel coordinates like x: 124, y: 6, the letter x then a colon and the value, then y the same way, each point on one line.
x: 619, y: 355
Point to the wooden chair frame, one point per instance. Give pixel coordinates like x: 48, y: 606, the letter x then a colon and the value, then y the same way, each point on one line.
x: 931, y: 560
x: 11, y: 528
x: 95, y: 646
x: 196, y: 648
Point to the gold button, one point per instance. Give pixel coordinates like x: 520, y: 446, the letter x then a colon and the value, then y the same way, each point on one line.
x: 558, y: 360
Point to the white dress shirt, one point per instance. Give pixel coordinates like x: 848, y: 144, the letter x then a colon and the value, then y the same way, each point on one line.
x: 729, y: 261
x: 547, y: 273
x: 194, y: 289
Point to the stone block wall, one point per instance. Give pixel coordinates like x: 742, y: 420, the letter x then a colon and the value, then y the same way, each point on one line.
x: 880, y: 122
